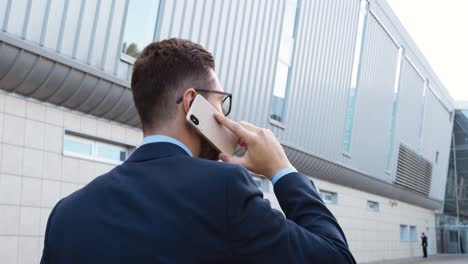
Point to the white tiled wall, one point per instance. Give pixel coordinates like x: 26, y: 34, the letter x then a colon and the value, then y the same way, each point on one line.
x: 34, y: 174
x: 374, y: 236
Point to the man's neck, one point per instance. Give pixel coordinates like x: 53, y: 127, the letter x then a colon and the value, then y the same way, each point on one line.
x: 181, y: 136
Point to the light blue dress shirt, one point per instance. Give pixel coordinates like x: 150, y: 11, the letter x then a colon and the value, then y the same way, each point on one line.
x: 167, y: 139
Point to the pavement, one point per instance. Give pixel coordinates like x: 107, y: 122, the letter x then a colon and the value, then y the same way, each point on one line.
x: 442, y: 259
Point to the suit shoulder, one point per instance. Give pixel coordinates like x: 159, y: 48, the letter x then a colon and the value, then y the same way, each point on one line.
x: 222, y: 168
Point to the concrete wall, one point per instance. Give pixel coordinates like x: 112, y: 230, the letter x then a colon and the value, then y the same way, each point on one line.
x: 34, y: 174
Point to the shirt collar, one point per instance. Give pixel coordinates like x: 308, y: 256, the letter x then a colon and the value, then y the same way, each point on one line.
x: 166, y: 139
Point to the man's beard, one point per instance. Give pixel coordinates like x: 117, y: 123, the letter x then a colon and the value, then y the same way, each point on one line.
x: 207, y: 151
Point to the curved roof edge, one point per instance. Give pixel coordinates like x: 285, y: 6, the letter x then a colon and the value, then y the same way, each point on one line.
x: 319, y: 168
x: 32, y: 71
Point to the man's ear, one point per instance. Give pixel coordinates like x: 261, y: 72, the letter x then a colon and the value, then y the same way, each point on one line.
x: 188, y: 98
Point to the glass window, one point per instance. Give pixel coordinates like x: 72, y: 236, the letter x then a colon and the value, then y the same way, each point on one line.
x: 349, y: 118
x: 82, y: 147
x: 77, y: 146
x: 373, y: 206
x: 396, y: 94
x: 329, y: 197
x: 140, y: 26
x: 413, y: 234
x: 110, y: 152
x: 286, y: 49
x: 403, y: 233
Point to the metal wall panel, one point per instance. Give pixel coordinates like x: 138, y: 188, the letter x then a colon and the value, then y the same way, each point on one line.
x: 437, y: 132
x: 84, y: 39
x: 36, y: 20
x: 53, y: 24
x: 17, y: 17
x: 374, y: 100
x: 321, y: 74
x: 409, y: 106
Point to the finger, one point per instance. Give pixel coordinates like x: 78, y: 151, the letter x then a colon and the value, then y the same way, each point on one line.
x: 249, y: 126
x: 235, y: 127
x: 231, y: 159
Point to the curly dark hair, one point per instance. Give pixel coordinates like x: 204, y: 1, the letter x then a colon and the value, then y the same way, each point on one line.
x: 162, y: 72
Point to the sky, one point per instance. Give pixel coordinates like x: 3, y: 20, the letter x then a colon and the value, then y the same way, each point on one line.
x: 440, y: 29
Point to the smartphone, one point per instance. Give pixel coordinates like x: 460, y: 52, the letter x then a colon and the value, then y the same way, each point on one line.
x: 201, y: 117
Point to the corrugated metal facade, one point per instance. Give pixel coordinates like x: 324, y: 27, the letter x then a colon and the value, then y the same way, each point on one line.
x: 84, y: 36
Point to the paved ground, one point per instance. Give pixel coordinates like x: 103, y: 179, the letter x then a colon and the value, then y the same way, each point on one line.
x: 442, y: 259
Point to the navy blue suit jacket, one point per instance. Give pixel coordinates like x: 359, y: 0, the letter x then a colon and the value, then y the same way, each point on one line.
x: 163, y: 206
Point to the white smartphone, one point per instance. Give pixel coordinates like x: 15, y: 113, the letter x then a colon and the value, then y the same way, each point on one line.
x: 201, y: 117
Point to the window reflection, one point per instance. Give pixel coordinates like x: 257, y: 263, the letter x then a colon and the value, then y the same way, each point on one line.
x: 140, y: 26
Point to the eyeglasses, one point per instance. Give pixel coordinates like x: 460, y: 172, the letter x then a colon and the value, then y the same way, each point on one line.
x: 226, y: 101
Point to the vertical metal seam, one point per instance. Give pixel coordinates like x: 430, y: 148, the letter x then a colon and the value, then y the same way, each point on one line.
x: 256, y: 50
x: 26, y: 19
x: 109, y: 29
x: 62, y: 26
x: 215, y: 48
x: 201, y: 22
x: 242, y: 63
x: 192, y: 24
x: 7, y: 15
x: 45, y: 23
x: 210, y: 23
x: 123, y: 27
x: 171, y: 24
x: 159, y: 19
x: 230, y: 78
x: 182, y: 18
x: 93, y: 34
x: 78, y: 29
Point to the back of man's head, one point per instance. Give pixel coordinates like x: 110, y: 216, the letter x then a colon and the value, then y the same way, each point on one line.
x: 162, y: 72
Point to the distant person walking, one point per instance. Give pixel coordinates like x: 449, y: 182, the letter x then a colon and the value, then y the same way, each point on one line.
x: 424, y: 244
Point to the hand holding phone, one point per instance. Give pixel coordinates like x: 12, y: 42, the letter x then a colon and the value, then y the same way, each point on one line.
x: 264, y: 154
x: 201, y: 117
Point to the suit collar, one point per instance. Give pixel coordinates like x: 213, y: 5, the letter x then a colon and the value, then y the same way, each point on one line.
x: 156, y: 150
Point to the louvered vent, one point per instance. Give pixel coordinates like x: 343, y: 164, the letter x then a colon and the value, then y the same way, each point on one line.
x: 413, y: 171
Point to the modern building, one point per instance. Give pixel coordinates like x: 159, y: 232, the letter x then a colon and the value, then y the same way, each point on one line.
x: 452, y: 225
x: 340, y: 82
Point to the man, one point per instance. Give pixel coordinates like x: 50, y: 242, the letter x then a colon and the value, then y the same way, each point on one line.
x: 424, y: 244
x: 172, y: 202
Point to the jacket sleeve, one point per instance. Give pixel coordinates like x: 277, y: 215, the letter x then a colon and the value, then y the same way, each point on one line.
x: 47, y: 252
x: 260, y: 234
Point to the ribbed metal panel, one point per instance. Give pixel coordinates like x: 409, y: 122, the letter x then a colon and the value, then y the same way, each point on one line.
x: 409, y: 106
x: 374, y: 100
x: 436, y: 137
x: 320, y: 76
x: 413, y: 171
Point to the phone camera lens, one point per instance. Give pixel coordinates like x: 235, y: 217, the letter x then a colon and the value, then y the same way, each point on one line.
x: 194, y: 120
